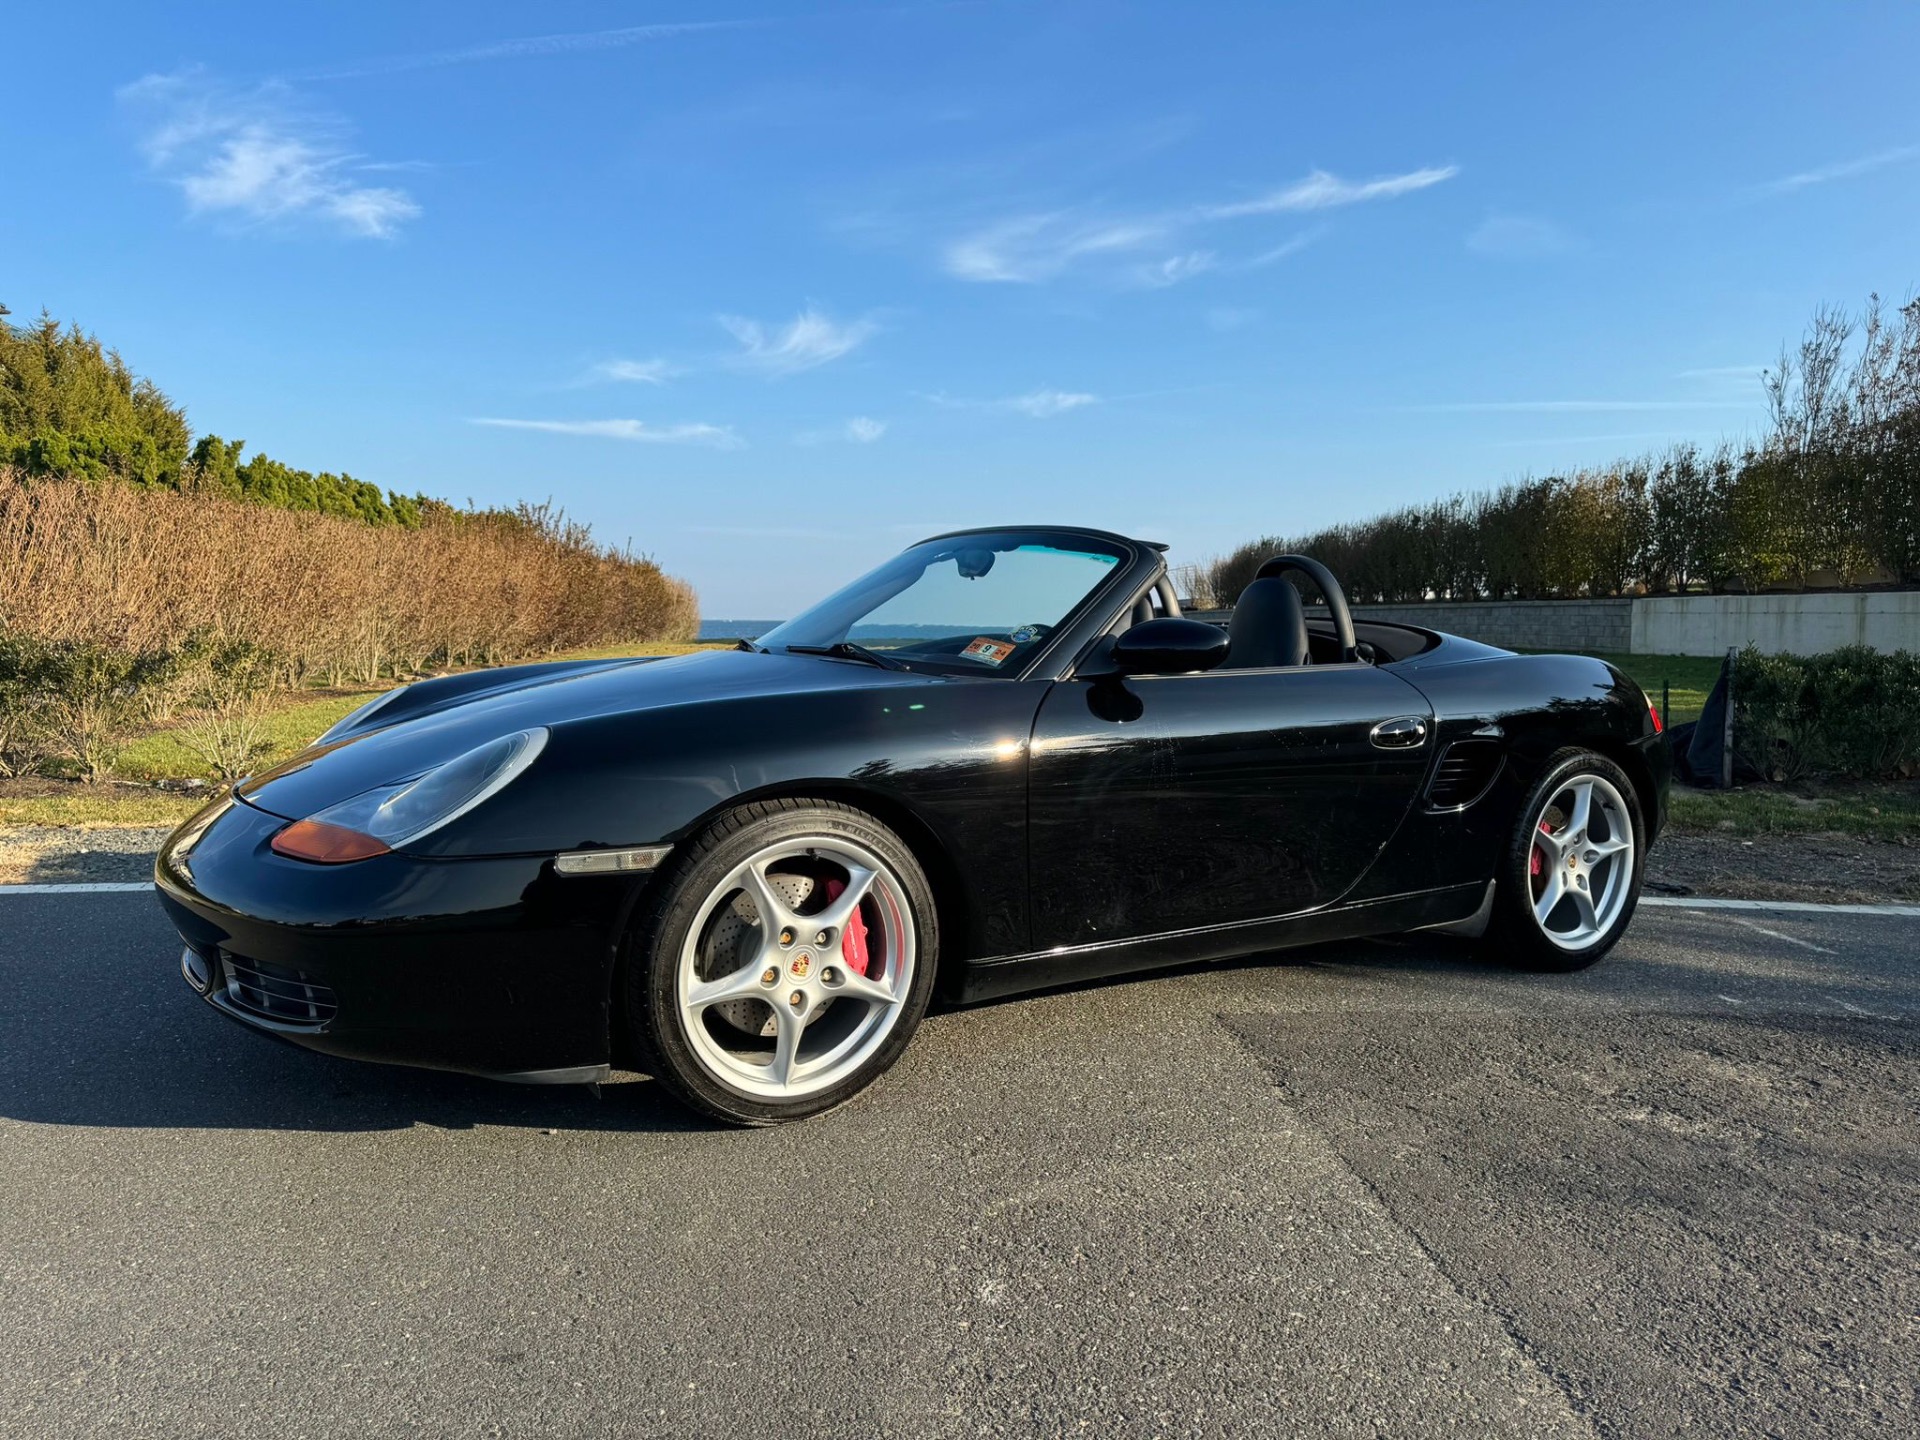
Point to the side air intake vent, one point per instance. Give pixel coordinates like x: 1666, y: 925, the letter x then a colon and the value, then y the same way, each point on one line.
x: 1464, y: 773
x: 287, y: 996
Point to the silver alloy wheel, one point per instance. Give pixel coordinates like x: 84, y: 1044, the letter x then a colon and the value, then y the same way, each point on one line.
x: 1581, y: 867
x: 790, y: 959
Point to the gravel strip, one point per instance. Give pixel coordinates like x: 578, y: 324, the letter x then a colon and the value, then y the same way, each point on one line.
x: 56, y: 855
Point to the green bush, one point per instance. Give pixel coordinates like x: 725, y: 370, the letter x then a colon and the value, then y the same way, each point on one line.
x: 71, y: 699
x: 1853, y: 712
x: 26, y: 739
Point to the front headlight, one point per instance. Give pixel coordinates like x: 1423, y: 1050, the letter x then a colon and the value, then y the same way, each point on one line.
x: 380, y: 820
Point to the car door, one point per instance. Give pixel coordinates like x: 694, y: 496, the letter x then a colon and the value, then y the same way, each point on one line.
x: 1162, y: 803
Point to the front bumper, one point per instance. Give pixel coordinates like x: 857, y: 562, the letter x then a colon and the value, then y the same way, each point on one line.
x: 494, y: 967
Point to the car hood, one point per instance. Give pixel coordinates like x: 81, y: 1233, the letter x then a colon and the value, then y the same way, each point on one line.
x: 391, y: 754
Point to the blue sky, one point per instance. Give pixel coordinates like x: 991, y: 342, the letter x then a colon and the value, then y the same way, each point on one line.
x: 773, y: 289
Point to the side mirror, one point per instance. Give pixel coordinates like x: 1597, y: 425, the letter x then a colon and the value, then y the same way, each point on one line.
x: 1169, y: 646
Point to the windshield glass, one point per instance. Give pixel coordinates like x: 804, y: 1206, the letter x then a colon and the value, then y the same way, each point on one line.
x: 968, y: 605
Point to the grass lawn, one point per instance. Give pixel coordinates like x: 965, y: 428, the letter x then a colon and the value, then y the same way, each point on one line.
x: 163, y: 755
x: 1874, y: 812
x: 297, y: 719
x: 1690, y: 676
x: 69, y: 803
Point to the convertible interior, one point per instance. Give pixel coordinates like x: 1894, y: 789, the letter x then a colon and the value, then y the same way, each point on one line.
x: 1271, y: 627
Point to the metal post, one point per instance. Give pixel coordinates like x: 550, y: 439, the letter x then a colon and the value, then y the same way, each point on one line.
x: 1666, y: 702
x: 1726, y: 742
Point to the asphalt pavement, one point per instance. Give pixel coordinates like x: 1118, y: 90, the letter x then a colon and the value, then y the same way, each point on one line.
x: 1362, y: 1190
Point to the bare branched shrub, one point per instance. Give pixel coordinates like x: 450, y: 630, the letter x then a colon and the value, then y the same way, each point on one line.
x: 234, y: 682
x: 133, y: 595
x: 144, y: 571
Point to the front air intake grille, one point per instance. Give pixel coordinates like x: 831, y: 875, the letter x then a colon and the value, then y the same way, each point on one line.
x: 273, y: 994
x: 1465, y: 771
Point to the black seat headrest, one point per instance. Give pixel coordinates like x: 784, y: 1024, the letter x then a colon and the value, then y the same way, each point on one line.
x: 1268, y: 627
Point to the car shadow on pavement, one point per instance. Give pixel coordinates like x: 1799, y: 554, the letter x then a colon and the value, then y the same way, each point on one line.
x: 95, y: 1044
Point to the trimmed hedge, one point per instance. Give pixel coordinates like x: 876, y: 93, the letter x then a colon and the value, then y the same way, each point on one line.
x: 1853, y: 712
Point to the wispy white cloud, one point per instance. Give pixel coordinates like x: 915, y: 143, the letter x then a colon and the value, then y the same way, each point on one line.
x: 811, y: 340
x: 1842, y: 170
x: 1045, y: 404
x: 638, y: 372
x: 1520, y: 237
x: 1289, y: 247
x: 718, y: 436
x: 1039, y: 247
x: 258, y: 154
x: 860, y: 430
x: 1040, y: 404
x: 529, y: 46
x: 1324, y: 191
x: 1171, y: 271
x: 1156, y: 246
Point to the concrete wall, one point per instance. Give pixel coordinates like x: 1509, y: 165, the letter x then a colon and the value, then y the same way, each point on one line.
x: 1576, y: 625
x: 1775, y: 624
x: 1677, y: 624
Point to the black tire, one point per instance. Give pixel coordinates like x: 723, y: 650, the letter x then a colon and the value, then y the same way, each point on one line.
x: 1515, y: 935
x: 699, y: 867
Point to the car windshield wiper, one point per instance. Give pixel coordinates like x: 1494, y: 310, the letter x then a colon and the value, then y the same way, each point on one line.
x: 848, y: 650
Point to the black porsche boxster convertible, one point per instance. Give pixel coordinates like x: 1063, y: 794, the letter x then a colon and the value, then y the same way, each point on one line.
x: 1002, y: 761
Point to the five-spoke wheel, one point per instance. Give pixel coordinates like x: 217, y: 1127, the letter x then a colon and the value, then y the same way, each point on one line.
x: 783, y: 962
x: 1572, y: 873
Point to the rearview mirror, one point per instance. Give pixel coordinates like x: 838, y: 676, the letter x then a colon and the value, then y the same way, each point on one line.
x: 1169, y: 646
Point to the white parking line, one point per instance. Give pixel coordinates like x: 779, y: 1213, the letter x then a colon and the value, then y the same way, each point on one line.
x: 99, y: 887
x: 1780, y: 935
x: 1681, y: 902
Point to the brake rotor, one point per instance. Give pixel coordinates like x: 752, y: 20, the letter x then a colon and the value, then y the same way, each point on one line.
x: 735, y: 940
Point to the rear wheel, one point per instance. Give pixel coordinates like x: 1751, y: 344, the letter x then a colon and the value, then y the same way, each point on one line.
x: 784, y: 962
x: 1571, y: 875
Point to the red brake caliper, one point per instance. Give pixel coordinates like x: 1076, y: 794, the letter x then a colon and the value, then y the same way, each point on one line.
x: 1536, y: 864
x: 853, y: 940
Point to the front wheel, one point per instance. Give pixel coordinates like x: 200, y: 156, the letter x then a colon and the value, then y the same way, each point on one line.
x: 1570, y: 877
x: 783, y: 963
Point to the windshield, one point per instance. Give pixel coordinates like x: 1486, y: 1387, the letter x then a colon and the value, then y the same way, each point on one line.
x: 966, y: 605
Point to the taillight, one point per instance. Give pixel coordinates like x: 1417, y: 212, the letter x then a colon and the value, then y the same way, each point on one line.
x: 1654, y: 715
x: 323, y: 844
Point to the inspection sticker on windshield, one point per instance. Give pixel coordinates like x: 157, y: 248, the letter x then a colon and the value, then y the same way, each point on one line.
x: 989, y: 651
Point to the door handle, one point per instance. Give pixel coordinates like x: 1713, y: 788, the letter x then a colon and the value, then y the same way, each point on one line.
x: 1403, y: 732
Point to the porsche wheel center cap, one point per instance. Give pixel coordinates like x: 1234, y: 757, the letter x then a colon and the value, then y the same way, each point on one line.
x: 800, y: 966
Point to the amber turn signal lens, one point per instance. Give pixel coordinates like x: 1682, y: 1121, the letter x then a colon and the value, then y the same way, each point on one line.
x: 325, y: 844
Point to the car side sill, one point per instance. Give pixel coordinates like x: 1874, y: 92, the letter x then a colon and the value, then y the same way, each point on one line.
x: 1069, y: 965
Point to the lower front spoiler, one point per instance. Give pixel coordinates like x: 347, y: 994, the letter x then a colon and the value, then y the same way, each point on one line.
x: 210, y: 980
x: 486, y: 966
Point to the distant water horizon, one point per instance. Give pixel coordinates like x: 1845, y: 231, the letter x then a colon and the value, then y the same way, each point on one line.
x: 735, y: 629
x: 751, y: 629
